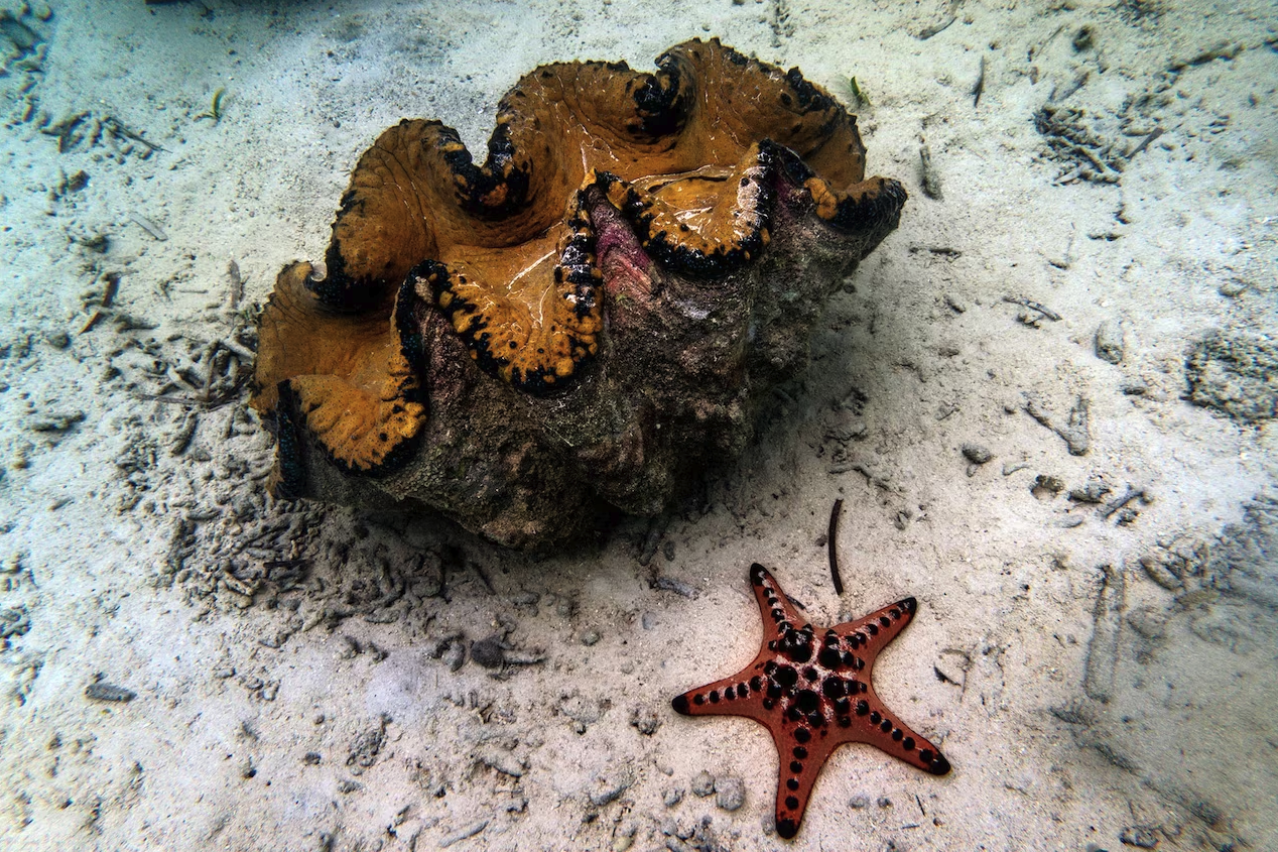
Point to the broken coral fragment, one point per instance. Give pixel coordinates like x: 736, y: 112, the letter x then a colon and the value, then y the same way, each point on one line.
x: 586, y: 322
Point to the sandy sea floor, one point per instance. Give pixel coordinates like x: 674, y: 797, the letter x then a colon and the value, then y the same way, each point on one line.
x: 1097, y: 635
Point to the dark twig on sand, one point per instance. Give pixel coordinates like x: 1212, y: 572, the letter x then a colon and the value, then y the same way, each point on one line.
x: 831, y: 543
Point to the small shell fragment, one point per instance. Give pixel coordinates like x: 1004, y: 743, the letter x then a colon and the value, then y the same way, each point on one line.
x: 147, y: 225
x: 103, y: 691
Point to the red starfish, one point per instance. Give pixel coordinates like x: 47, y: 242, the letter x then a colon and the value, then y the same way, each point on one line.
x: 812, y: 689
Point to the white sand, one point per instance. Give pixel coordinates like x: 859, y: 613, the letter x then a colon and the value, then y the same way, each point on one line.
x: 1079, y: 712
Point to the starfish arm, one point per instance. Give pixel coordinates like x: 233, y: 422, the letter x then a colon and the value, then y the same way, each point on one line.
x: 738, y: 695
x: 774, y: 605
x: 879, y: 628
x: 873, y: 723
x: 787, y: 635
x: 800, y: 764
